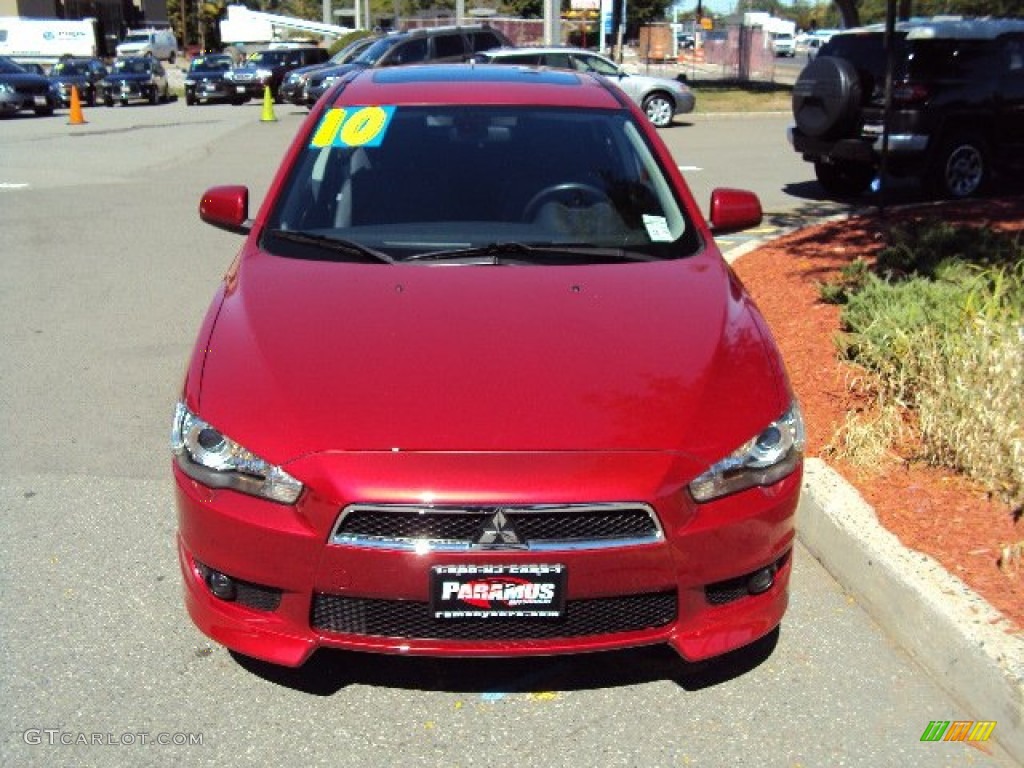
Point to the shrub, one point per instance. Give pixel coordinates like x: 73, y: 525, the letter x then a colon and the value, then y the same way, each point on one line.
x: 940, y: 321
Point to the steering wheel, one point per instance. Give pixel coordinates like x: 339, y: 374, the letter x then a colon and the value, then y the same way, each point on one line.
x: 574, y: 194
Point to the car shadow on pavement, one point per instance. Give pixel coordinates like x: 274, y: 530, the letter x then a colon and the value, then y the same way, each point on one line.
x: 329, y: 671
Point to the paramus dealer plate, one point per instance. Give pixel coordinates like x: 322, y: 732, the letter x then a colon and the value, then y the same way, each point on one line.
x: 497, y: 591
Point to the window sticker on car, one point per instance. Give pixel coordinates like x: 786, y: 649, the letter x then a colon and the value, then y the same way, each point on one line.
x: 352, y: 127
x: 657, y: 229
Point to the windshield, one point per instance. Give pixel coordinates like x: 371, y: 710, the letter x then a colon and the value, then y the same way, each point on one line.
x: 410, y: 181
x: 132, y: 66
x: 265, y: 58
x: 138, y: 38
x: 70, y: 68
x: 210, y: 64
x: 375, y: 52
x: 8, y: 67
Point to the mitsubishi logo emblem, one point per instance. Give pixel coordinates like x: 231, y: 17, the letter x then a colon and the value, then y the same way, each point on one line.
x: 499, y: 532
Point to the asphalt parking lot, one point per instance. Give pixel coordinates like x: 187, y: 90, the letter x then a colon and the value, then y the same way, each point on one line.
x: 107, y: 273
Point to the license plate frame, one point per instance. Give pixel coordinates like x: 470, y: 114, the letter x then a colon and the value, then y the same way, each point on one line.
x: 498, y: 591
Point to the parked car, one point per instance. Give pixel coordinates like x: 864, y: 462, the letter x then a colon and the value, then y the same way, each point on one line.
x: 660, y: 97
x: 783, y: 44
x: 135, y: 78
x: 268, y: 68
x: 293, y: 88
x: 416, y: 46
x: 21, y: 90
x: 957, y: 115
x: 85, y: 74
x: 539, y: 413
x: 204, y: 80
x: 159, y: 43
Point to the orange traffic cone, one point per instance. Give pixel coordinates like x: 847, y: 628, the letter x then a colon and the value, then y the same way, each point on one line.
x: 77, y: 118
x: 268, y: 107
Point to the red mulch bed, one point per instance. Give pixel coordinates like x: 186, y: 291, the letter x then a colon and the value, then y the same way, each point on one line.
x: 930, y: 509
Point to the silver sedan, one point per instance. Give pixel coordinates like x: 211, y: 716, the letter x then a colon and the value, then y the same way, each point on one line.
x: 659, y: 97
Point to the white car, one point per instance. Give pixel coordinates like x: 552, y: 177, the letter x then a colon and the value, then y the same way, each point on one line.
x: 659, y: 97
x: 158, y: 43
x: 783, y: 44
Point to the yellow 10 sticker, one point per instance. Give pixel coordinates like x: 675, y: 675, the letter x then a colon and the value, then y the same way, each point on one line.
x: 352, y: 127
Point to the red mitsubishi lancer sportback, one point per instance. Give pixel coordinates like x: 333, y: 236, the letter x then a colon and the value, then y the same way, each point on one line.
x: 479, y: 383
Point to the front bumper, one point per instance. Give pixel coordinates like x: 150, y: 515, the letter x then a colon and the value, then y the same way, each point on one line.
x: 251, y: 89
x: 15, y: 102
x: 294, y: 591
x: 130, y: 91
x: 210, y: 91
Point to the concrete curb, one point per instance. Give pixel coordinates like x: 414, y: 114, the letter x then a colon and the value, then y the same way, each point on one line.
x: 951, y: 631
x: 948, y: 629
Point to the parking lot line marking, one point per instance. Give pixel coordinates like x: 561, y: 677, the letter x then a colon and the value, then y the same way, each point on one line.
x: 11, y: 185
x: 690, y: 168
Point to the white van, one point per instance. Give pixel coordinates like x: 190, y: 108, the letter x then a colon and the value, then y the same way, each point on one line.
x: 159, y: 43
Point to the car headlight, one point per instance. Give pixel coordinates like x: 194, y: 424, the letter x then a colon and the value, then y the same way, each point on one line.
x: 5, y: 88
x: 763, y: 460
x: 264, y: 74
x: 189, y: 81
x: 209, y: 457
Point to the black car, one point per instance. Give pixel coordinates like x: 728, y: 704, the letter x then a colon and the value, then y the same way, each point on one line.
x: 84, y: 74
x: 293, y: 88
x: 23, y: 90
x: 268, y: 68
x: 416, y: 46
x: 135, y: 78
x: 957, y: 106
x: 205, y: 81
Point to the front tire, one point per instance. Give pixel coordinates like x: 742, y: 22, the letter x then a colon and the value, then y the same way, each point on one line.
x: 843, y: 178
x: 659, y: 109
x: 961, y: 168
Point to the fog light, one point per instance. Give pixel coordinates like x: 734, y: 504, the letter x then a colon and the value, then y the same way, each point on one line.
x: 222, y: 585
x: 761, y: 581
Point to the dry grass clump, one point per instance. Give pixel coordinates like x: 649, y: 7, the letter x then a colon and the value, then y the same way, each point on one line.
x: 938, y: 321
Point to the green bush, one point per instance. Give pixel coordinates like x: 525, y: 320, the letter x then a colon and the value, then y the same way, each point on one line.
x: 940, y: 322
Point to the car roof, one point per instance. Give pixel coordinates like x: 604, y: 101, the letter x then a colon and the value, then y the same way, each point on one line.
x: 474, y: 84
x: 528, y: 49
x: 946, y: 27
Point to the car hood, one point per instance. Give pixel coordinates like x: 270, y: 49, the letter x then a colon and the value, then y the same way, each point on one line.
x: 21, y: 80
x: 313, y: 356
x: 310, y: 68
x: 207, y: 74
x: 128, y: 77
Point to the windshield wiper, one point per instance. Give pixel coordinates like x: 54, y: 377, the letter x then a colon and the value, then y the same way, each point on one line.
x: 524, y: 252
x: 334, y: 244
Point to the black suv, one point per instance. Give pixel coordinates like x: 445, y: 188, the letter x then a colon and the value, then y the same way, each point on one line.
x: 267, y: 69
x: 415, y: 46
x: 957, y: 111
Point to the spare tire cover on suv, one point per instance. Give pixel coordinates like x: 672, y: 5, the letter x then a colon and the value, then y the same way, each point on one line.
x: 826, y: 97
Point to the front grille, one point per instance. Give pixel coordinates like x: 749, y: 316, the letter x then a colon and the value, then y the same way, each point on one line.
x: 540, y: 527
x: 412, y: 620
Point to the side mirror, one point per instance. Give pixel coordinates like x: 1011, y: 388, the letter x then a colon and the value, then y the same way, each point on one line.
x: 226, y: 208
x: 733, y: 210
